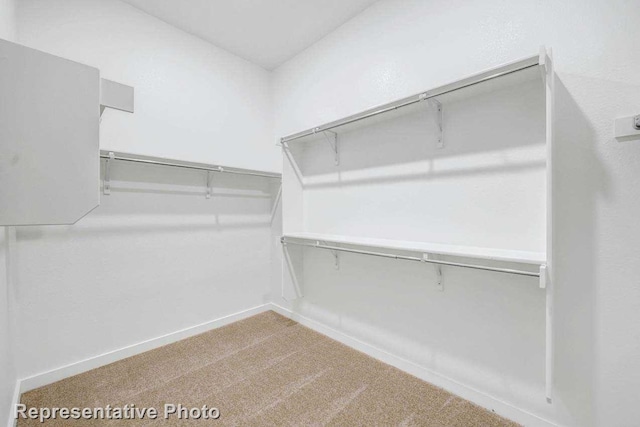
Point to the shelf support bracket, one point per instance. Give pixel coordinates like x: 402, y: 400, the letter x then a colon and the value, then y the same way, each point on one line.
x: 335, y: 254
x: 209, y: 184
x: 438, y: 107
x: 288, y: 268
x: 332, y: 139
x: 106, y: 184
x: 543, y: 276
x: 439, y: 276
x: 336, y: 259
x: 292, y: 161
x: 274, y: 208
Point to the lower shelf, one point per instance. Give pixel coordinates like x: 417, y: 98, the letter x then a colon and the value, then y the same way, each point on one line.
x: 531, y: 260
x: 522, y: 257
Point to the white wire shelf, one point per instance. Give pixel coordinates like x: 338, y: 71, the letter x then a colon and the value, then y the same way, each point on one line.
x: 491, y: 254
x: 161, y: 161
x: 506, y: 75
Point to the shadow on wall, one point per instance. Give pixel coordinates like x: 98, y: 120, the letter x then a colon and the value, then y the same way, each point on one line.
x: 579, y: 181
x: 161, y: 260
x: 159, y: 199
x: 409, y: 137
x: 129, y: 177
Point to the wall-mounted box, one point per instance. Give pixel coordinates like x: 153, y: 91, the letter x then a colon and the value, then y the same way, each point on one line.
x: 49, y: 135
x: 627, y: 127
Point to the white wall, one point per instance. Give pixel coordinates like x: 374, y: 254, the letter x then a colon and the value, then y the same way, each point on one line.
x: 156, y: 256
x: 485, y: 188
x: 7, y: 20
x: 395, y: 48
x: 7, y: 368
x: 193, y: 101
x: 398, y: 48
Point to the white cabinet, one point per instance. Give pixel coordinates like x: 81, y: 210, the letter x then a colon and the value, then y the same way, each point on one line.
x: 49, y: 135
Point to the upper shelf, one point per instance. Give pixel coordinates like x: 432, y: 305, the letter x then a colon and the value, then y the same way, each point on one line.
x: 524, y: 257
x: 506, y: 75
x: 161, y: 161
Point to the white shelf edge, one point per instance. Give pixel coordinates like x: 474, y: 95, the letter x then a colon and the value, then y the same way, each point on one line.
x: 116, y: 95
x: 164, y: 161
x: 522, y: 257
x: 490, y: 74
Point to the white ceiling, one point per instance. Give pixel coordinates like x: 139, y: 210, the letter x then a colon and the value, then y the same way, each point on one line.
x: 265, y: 32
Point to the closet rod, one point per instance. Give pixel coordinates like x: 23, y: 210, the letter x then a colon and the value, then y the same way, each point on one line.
x: 210, y: 168
x: 504, y: 70
x: 409, y: 258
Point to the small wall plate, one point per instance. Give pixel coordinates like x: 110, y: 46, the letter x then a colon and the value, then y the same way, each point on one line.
x: 626, y: 127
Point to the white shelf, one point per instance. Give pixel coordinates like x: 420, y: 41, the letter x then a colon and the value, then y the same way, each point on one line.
x: 163, y: 161
x: 523, y: 257
x: 445, y: 107
x: 510, y: 74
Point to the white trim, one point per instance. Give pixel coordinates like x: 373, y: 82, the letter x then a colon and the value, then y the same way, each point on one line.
x: 11, y: 422
x: 476, y: 396
x: 44, y: 378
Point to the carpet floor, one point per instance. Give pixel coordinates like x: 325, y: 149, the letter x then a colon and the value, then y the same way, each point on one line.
x: 266, y: 370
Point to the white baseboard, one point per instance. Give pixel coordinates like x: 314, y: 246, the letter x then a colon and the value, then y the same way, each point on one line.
x: 478, y: 397
x: 76, y: 368
x: 14, y: 402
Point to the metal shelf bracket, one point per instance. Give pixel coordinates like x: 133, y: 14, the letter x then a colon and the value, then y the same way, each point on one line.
x: 440, y: 284
x: 209, y: 184
x: 437, y: 105
x: 274, y: 207
x: 336, y: 261
x: 288, y: 267
x: 106, y: 184
x: 438, y: 267
x: 336, y: 258
x: 210, y: 181
x: 332, y: 140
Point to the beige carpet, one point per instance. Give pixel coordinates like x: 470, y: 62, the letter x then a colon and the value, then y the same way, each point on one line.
x: 265, y: 370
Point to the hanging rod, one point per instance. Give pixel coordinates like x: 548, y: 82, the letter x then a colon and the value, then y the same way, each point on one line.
x: 186, y: 165
x: 494, y: 73
x: 410, y: 258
